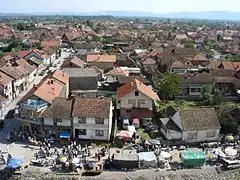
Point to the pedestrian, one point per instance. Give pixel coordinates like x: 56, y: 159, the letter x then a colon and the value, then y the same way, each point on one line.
x: 36, y: 156
x: 49, y: 145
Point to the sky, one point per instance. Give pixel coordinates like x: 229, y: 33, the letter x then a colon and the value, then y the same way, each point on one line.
x: 155, y: 6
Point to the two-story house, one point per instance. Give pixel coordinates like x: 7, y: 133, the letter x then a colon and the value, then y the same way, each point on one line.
x: 19, y: 76
x: 92, y: 119
x: 30, y: 69
x: 57, y: 118
x: 135, y: 99
x: 37, y: 100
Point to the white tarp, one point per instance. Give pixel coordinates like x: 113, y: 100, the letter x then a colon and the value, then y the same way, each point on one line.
x: 147, y: 159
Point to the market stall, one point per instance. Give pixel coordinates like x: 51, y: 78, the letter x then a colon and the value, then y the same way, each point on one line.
x: 192, y: 158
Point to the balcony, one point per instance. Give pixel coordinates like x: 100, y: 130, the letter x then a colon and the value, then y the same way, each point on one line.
x: 29, y: 120
x: 34, y: 107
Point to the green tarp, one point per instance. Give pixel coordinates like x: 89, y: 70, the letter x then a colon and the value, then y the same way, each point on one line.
x: 193, y: 158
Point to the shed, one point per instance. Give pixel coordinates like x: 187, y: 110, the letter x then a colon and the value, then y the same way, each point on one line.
x: 125, y: 160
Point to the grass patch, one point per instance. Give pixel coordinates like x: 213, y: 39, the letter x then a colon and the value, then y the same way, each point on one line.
x: 143, y: 134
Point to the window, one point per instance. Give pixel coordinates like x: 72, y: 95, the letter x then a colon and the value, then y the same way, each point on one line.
x: 57, y: 120
x: 210, y: 134
x: 136, y: 93
x: 128, y: 110
x: 99, y: 120
x: 82, y: 132
x: 82, y: 120
x: 99, y: 133
x: 192, y: 135
x: 141, y: 101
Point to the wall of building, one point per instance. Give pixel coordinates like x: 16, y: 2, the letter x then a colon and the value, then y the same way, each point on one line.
x: 83, y: 83
x: 131, y: 96
x: 91, y: 128
x: 103, y: 65
x: 135, y: 113
x: 201, y: 135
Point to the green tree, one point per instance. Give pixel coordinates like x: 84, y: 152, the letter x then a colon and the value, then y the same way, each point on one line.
x: 211, y: 96
x: 168, y: 86
x: 21, y: 26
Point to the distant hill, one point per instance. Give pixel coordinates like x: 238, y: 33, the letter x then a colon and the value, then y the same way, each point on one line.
x: 214, y: 15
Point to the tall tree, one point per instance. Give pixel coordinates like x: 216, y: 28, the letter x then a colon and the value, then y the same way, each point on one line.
x: 168, y: 86
x: 211, y: 96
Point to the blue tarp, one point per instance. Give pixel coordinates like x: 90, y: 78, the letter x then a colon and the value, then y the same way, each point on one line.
x: 14, y: 162
x: 64, y: 135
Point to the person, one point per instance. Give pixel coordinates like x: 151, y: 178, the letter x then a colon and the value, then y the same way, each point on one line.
x: 36, y: 156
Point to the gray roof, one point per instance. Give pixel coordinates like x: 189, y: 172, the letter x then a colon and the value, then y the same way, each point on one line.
x: 194, y: 119
x: 80, y: 72
x: 125, y: 157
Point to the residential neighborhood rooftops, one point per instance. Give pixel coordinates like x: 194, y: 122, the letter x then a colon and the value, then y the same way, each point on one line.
x: 91, y: 108
x: 80, y: 72
x: 199, y: 119
x: 60, y: 108
x: 101, y: 58
x: 139, y: 86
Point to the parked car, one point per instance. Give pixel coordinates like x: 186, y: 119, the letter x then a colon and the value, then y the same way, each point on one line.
x: 136, y: 123
x: 151, y: 128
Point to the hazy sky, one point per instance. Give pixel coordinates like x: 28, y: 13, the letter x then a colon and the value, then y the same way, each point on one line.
x: 158, y: 6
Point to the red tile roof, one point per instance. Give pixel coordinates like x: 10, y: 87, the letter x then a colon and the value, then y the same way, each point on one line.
x: 61, y: 76
x: 137, y: 85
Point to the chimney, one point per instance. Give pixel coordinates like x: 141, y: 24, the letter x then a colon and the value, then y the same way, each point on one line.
x: 34, y: 86
x: 51, y: 81
x: 132, y: 84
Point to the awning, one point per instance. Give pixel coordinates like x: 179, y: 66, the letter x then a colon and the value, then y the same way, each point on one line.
x: 65, y: 135
x: 126, y: 134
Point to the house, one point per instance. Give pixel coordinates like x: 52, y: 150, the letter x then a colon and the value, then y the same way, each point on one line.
x: 19, y: 76
x: 105, y: 62
x: 57, y: 118
x: 30, y: 69
x: 191, y: 125
x: 74, y: 62
x: 135, y: 99
x: 37, y: 100
x: 6, y: 85
x: 92, y: 119
x: 84, y: 49
x: 192, y: 84
x: 83, y: 82
x: 115, y: 73
x: 69, y: 37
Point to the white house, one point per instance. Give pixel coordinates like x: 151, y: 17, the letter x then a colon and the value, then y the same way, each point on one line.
x: 191, y: 125
x: 136, y: 100
x: 6, y: 86
x: 57, y: 118
x: 92, y: 119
